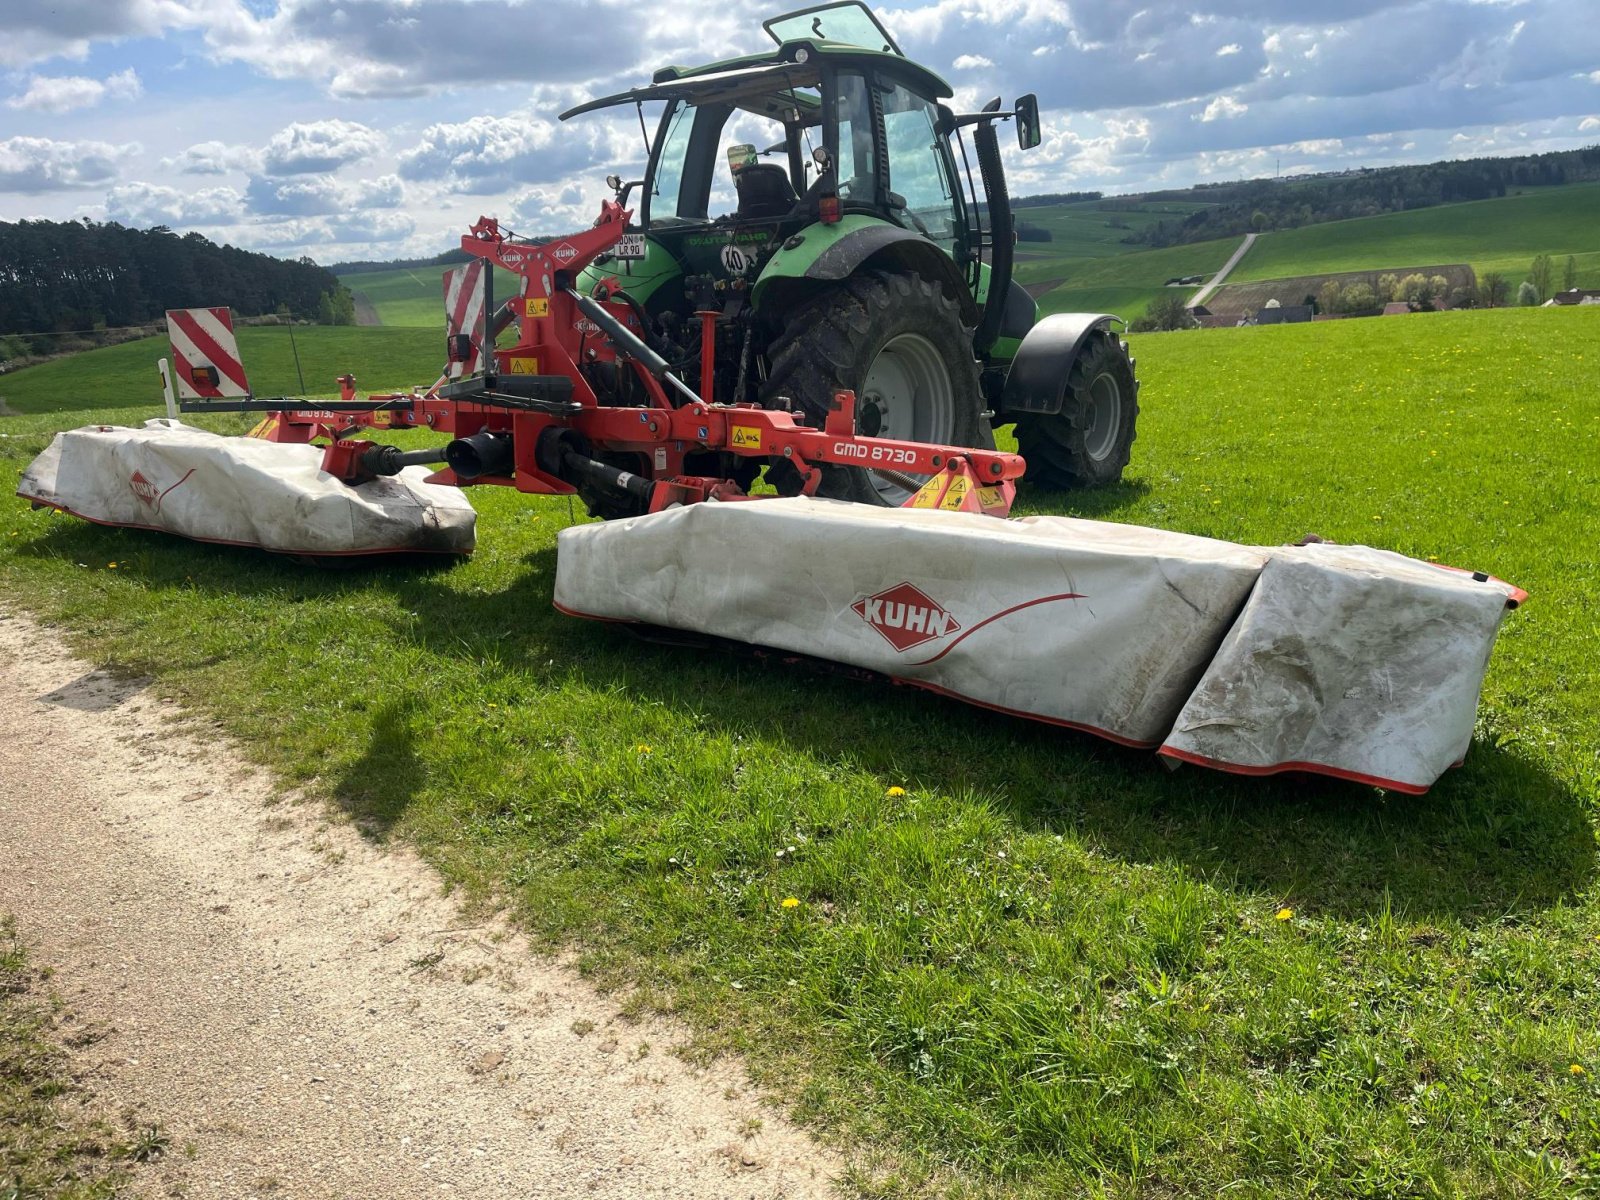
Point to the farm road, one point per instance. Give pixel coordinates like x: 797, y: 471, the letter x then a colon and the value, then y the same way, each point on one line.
x: 304, y: 1014
x: 1221, y: 276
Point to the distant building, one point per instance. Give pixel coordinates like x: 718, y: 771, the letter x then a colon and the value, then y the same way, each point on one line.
x: 1396, y: 308
x: 1284, y: 314
x: 1575, y: 296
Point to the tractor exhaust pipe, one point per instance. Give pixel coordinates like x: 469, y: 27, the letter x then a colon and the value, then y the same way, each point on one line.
x: 484, y: 453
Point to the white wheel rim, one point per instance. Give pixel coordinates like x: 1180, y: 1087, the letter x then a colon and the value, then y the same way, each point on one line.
x: 1103, y: 417
x: 907, y: 395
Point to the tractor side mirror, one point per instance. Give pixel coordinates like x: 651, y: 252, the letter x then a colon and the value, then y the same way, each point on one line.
x: 1027, y: 114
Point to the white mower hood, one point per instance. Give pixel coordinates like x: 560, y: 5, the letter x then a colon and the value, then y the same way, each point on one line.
x: 241, y: 491
x: 1335, y: 659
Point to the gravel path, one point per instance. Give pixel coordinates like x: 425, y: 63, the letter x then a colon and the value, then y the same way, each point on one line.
x: 305, y: 1014
x: 1227, y: 269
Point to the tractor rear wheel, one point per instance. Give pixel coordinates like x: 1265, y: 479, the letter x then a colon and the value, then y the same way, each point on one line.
x: 1088, y: 443
x: 897, y: 341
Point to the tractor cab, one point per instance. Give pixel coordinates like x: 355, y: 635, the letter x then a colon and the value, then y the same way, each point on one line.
x: 809, y: 198
x: 750, y: 152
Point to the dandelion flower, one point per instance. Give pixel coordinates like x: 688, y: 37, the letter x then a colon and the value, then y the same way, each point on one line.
x: 641, y: 748
x: 1576, y: 1071
x: 1285, y: 914
x: 793, y: 902
x: 895, y: 791
x: 111, y: 566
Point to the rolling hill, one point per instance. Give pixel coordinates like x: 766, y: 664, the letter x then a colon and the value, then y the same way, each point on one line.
x: 411, y: 296
x: 1491, y: 235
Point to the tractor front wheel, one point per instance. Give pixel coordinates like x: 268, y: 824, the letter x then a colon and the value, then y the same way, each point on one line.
x: 898, y: 343
x: 1088, y: 443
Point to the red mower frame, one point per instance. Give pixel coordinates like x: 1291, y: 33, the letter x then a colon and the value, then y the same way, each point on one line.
x: 533, y: 422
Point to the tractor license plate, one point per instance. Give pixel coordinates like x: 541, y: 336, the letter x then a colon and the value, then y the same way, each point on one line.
x: 631, y: 245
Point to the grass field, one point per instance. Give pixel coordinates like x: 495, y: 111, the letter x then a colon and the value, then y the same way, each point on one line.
x: 414, y: 296
x: 125, y: 375
x: 1049, y: 967
x: 1500, y: 235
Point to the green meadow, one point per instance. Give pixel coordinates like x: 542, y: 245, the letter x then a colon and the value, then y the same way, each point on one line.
x: 1020, y: 961
x: 1492, y: 235
x: 414, y: 296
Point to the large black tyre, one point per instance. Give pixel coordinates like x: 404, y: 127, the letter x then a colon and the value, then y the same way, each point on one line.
x: 897, y: 341
x: 1088, y: 443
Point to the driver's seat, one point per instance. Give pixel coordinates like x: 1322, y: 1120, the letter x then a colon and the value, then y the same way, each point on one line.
x: 765, y: 192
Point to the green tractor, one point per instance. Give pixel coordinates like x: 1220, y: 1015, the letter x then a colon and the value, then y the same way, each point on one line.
x: 811, y: 198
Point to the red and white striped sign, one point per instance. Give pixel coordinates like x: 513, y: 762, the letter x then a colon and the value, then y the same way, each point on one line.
x: 205, y: 354
x: 464, y: 313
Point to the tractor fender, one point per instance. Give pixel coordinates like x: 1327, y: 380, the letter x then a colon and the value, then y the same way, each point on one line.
x: 1037, y: 381
x: 822, y: 254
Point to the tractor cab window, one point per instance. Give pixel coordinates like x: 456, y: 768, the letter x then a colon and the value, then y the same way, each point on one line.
x: 752, y: 172
x: 921, y: 190
x: 728, y: 161
x: 669, y: 196
x: 854, y: 129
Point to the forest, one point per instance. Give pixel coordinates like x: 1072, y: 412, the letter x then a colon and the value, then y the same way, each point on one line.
x: 78, y: 277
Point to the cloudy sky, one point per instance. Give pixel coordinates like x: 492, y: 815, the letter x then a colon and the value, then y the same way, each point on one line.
x: 380, y: 128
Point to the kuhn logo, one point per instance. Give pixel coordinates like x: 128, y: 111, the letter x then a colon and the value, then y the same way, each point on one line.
x: 564, y: 253
x: 147, y: 492
x: 905, y: 616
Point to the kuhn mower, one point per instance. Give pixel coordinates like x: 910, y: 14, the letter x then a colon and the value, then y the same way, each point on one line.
x: 847, y: 331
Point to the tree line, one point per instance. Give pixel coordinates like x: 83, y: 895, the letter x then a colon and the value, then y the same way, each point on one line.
x: 1259, y: 204
x: 59, y: 276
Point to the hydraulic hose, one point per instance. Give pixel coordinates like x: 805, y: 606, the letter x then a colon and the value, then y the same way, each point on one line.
x: 629, y: 342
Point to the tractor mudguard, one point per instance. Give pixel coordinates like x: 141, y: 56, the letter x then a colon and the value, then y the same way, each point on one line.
x: 828, y: 253
x: 1037, y: 381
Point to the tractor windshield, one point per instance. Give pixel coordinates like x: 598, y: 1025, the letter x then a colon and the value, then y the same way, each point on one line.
x: 850, y: 22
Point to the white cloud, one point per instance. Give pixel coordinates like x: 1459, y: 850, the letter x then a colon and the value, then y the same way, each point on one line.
x: 373, y: 227
x: 32, y: 164
x: 66, y: 28
x: 321, y: 196
x: 63, y: 93
x: 396, y: 48
x: 1230, y: 48
x: 496, y: 154
x: 213, y: 158
x: 1588, y: 124
x: 966, y: 62
x: 1224, y: 108
x: 143, y: 204
x: 319, y: 146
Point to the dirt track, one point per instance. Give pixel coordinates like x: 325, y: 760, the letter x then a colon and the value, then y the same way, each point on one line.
x: 306, y: 1015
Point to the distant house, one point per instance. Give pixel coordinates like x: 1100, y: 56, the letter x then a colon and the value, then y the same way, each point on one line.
x: 1396, y: 308
x: 1284, y: 314
x: 1217, y: 320
x: 1575, y: 296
